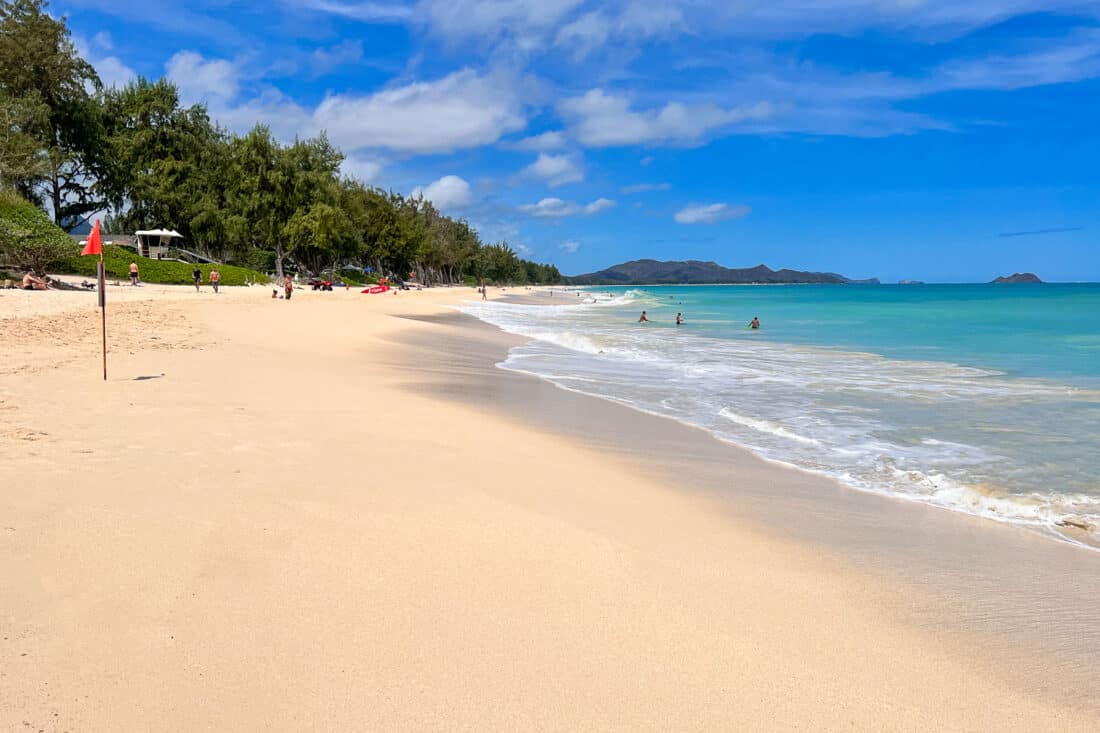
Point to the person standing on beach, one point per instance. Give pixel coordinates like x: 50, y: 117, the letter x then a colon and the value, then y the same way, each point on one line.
x: 133, y: 274
x: 215, y: 278
x: 288, y: 285
x: 642, y: 318
x: 196, y: 276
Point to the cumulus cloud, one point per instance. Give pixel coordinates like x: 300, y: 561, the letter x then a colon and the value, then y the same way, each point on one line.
x: 203, y: 80
x: 710, y: 213
x: 605, y: 120
x: 555, y: 170
x: 570, y: 246
x: 555, y: 208
x: 112, y: 71
x: 361, y: 169
x: 461, y: 110
x: 448, y: 192
x: 541, y: 143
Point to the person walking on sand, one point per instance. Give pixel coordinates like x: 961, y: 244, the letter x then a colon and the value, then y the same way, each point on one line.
x: 215, y: 278
x: 288, y: 285
x: 642, y: 318
x: 196, y: 276
x: 133, y: 274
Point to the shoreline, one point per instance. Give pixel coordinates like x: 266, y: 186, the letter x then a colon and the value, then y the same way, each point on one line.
x: 451, y: 545
x: 959, y: 571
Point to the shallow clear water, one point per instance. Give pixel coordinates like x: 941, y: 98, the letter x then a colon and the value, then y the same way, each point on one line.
x: 978, y: 398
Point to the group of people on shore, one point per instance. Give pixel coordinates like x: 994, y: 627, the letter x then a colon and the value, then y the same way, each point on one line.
x: 754, y: 324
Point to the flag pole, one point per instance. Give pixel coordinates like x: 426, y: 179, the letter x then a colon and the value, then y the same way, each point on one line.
x: 94, y: 246
x: 103, y: 309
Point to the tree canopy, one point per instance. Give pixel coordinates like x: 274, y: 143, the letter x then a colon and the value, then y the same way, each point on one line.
x: 137, y: 153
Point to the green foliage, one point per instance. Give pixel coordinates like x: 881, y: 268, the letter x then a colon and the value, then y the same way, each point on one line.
x: 27, y: 236
x: 247, y: 199
x: 41, y: 73
x: 117, y: 262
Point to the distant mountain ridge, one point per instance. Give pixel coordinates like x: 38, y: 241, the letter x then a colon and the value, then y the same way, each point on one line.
x: 697, y: 272
x: 1019, y: 277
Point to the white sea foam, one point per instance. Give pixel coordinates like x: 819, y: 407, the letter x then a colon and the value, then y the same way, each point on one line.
x: 953, y: 436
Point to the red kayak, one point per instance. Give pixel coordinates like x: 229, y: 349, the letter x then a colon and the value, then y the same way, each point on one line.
x: 376, y: 289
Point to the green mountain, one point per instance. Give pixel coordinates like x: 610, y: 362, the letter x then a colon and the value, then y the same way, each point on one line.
x: 695, y: 272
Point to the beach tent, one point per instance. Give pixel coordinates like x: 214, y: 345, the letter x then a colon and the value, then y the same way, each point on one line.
x: 154, y: 242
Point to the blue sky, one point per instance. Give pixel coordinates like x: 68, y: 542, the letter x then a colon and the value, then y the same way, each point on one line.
x: 921, y: 139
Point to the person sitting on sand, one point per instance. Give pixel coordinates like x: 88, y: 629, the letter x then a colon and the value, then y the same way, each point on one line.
x: 642, y: 318
x: 755, y: 323
x: 33, y: 282
x: 196, y: 275
x: 679, y: 318
x: 133, y: 274
x: 215, y: 278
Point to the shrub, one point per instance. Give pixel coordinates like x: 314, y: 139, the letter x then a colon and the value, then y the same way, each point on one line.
x: 27, y: 236
x: 117, y: 262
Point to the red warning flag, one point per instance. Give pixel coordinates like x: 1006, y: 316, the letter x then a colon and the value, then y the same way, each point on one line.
x: 94, y: 245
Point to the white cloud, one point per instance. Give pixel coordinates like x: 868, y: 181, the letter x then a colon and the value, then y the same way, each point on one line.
x: 647, y: 161
x: 710, y: 213
x: 603, y: 120
x: 541, y: 143
x: 556, y: 170
x: 526, y: 21
x: 646, y: 187
x: 369, y: 12
x: 570, y: 247
x: 365, y: 170
x: 286, y: 118
x: 112, y: 71
x: 461, y: 110
x: 599, y: 205
x: 202, y: 80
x: 555, y: 208
x: 449, y: 192
x: 324, y: 60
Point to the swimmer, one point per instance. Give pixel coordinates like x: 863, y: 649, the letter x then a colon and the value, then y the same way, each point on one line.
x: 642, y: 318
x: 679, y: 318
x: 755, y: 323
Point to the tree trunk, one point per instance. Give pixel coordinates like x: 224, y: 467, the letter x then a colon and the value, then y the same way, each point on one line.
x: 278, y: 261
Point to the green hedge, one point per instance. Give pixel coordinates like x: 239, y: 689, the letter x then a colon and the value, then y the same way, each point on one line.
x: 117, y: 260
x: 27, y: 236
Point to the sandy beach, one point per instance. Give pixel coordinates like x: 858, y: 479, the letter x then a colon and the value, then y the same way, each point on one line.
x: 334, y: 514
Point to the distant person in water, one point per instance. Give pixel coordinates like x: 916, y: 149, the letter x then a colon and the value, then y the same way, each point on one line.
x: 196, y: 275
x: 755, y: 323
x: 642, y: 318
x: 679, y: 318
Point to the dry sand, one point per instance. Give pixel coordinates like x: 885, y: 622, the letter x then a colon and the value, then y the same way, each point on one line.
x: 263, y: 522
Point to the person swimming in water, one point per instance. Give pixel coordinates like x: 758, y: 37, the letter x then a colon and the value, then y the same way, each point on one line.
x: 679, y: 318
x: 755, y: 323
x: 642, y: 318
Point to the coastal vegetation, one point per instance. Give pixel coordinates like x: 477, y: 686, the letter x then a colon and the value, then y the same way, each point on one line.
x: 76, y: 148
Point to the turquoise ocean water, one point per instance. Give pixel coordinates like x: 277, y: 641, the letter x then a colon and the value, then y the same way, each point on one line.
x: 977, y: 398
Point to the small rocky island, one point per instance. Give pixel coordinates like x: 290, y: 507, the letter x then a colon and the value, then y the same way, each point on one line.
x: 1019, y: 277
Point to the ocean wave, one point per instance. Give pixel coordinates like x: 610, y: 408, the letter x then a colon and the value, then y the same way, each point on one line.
x: 896, y: 427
